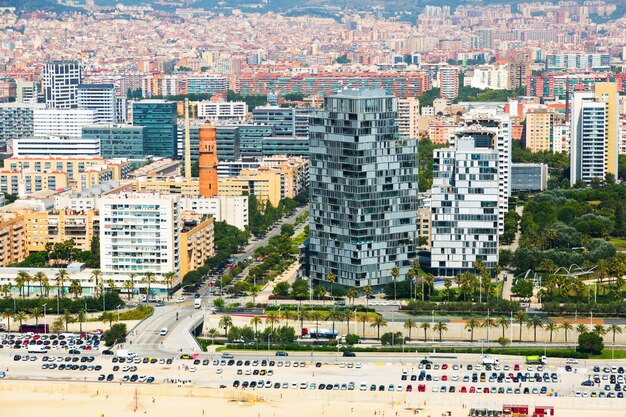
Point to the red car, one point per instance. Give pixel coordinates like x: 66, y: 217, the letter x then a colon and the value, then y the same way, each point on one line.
x: 463, y: 389
x: 421, y: 388
x: 486, y: 390
x: 409, y: 388
x: 444, y: 366
x: 472, y: 390
x: 444, y: 377
x: 516, y: 367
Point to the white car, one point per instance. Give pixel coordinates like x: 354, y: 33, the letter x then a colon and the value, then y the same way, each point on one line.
x: 217, y: 371
x: 578, y: 394
x: 358, y: 365
x: 180, y: 300
x: 455, y: 377
x: 193, y: 369
x: 363, y: 387
x: 435, y: 388
x: 571, y: 361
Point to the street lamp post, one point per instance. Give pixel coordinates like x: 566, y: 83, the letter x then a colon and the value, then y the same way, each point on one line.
x: 432, y: 323
x: 118, y: 312
x: 45, y: 322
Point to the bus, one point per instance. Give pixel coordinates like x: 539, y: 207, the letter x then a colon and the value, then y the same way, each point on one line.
x: 34, y: 328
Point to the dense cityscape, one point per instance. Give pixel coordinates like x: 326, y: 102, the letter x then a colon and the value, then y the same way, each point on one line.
x: 266, y: 207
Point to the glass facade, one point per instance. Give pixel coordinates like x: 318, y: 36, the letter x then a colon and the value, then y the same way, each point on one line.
x: 363, y: 190
x: 117, y: 141
x: 228, y: 147
x: 158, y: 117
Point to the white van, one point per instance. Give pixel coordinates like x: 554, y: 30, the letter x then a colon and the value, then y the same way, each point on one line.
x: 163, y: 331
x: 198, y: 303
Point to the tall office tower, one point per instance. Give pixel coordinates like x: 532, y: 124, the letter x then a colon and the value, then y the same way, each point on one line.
x: 121, y: 110
x: 117, y: 141
x: 159, y: 119
x: 500, y: 124
x: 100, y: 98
x: 17, y: 119
x: 449, y: 82
x: 538, y: 133
x: 207, y: 168
x: 194, y: 140
x: 288, y: 121
x: 140, y: 233
x: 25, y: 91
x: 465, y: 199
x: 363, y: 190
x: 484, y: 38
x: 251, y: 138
x: 228, y: 143
x: 594, y: 132
x: 60, y: 79
x: 408, y: 117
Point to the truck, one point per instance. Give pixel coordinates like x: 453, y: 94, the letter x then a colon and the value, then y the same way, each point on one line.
x: 37, y: 349
x: 489, y: 360
x: 535, y: 359
x: 124, y: 353
x: 317, y: 333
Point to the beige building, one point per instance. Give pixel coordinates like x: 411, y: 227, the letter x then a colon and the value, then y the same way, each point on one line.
x: 187, y: 187
x: 408, y: 116
x: 265, y: 184
x: 12, y: 238
x: 539, y: 131
x: 196, y: 241
x: 24, y: 183
x: 58, y: 226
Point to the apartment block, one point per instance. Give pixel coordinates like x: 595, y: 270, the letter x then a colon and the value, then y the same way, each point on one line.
x: 266, y: 185
x: 12, y: 238
x: 16, y: 120
x: 219, y: 111
x: 538, y: 135
x: 196, y: 241
x: 408, y: 117
x: 57, y: 226
x: 230, y: 209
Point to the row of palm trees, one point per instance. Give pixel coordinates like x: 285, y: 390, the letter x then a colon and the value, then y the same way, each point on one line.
x: 23, y: 282
x: 37, y: 313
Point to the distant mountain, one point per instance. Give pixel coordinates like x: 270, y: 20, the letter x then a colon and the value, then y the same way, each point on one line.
x: 29, y: 6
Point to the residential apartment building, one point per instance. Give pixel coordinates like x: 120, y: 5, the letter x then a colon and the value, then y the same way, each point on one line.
x: 63, y: 123
x: 117, y: 141
x: 140, y: 233
x: 562, y: 61
x: 16, y: 120
x: 408, y: 117
x: 539, y: 131
x: 363, y: 191
x: 219, y: 111
x: 594, y: 133
x: 12, y: 238
x: 206, y: 85
x: 158, y: 117
x: 465, y: 203
x: 196, y: 241
x: 186, y: 187
x: 51, y: 147
x: 99, y: 98
x: 230, y: 209
x: 58, y: 226
x: 60, y: 80
x: 449, y: 82
x: 266, y: 185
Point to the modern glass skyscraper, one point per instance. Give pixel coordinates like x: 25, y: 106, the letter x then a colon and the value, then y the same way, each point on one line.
x: 60, y: 79
x: 159, y: 119
x: 363, y: 190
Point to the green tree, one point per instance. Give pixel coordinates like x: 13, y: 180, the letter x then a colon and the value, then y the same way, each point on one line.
x: 67, y: 318
x: 410, y: 324
x: 75, y: 288
x: 81, y: 317
x: 116, y: 334
x: 520, y: 318
x: 272, y: 319
x: 352, y: 294
x: 425, y: 326
x: 470, y: 325
x: 395, y: 272
x: 226, y: 322
x: 352, y: 339
x: 363, y: 319
x: 107, y: 317
x: 566, y: 326
x: 212, y: 333
x: 331, y: 278
x: 149, y: 278
x: 168, y: 280
x: 20, y: 316
x: 534, y: 322
x: 440, y: 327
x: 61, y: 276
x: 599, y: 330
x: 367, y: 290
x: 615, y: 329
x: 551, y: 327
x: 36, y: 313
x: 590, y: 343
x: 255, y: 321
x: 334, y: 315
x: 8, y: 315
x: 316, y: 317
x: 96, y: 276
x: 503, y: 322
x: 581, y: 328
x: 40, y: 278
x: 503, y: 341
x: 378, y: 322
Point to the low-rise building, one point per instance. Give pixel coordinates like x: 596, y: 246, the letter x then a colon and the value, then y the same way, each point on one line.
x: 265, y: 184
x: 187, y: 187
x: 529, y: 177
x: 230, y: 209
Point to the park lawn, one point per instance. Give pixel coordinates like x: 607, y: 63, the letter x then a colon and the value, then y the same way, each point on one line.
x: 607, y: 354
x: 620, y: 244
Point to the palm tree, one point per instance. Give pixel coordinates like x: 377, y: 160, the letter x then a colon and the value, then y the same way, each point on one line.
x: 107, y: 317
x: 331, y: 278
x: 316, y: 316
x: 599, y: 330
x: 272, y: 319
x: 487, y: 324
x: 425, y: 326
x: 364, y: 318
x: 226, y: 322
x: 581, y: 328
x: 46, y: 286
x: 61, y: 277
x: 20, y: 281
x: 149, y: 278
x: 566, y: 326
x: 379, y: 322
x: 440, y: 327
x: 131, y: 277
x: 302, y: 315
x: 470, y: 325
x: 81, y: 317
x: 352, y: 294
x: 6, y: 289
x: 447, y: 283
x: 395, y: 272
x: 75, y: 288
x: 20, y: 316
x: 410, y: 275
x: 68, y: 318
x: 8, y: 314
x: 520, y: 318
x: 334, y: 315
x: 534, y: 322
x: 321, y: 293
x: 96, y: 274
x: 614, y: 328
x: 255, y: 321
x: 168, y: 280
x: 503, y: 322
x: 212, y: 332
x: 36, y: 313
x: 551, y: 327
x: 27, y: 279
x: 429, y: 280
x: 367, y: 290
x: 410, y: 325
x: 128, y: 287
x: 40, y: 277
x: 111, y: 285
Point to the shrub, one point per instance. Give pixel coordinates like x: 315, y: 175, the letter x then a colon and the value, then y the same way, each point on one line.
x: 590, y: 343
x: 116, y: 334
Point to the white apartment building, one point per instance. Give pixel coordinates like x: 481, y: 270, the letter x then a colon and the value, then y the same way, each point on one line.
x: 75, y: 203
x: 100, y: 98
x: 230, y: 209
x: 561, y: 137
x: 69, y: 123
x: 139, y: 233
x: 408, y: 117
x: 60, y: 79
x: 465, y: 199
x: 494, y: 77
x: 56, y: 146
x: 449, y: 82
x: 222, y: 110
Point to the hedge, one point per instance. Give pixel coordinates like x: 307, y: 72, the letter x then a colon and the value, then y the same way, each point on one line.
x: 112, y: 300
x: 496, y: 307
x: 617, y: 308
